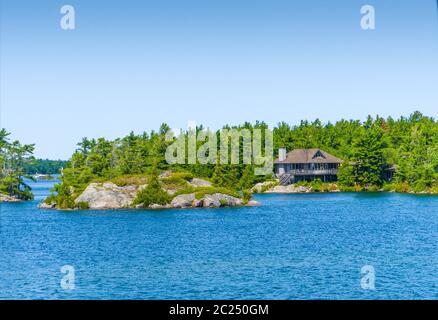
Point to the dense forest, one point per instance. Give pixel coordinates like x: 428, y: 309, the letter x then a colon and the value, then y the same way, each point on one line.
x: 13, y: 158
x: 44, y: 166
x: 408, y: 145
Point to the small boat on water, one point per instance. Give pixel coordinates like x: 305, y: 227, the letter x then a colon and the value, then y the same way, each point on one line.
x: 38, y: 176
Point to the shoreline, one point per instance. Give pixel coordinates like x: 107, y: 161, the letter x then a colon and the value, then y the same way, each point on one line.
x: 272, y: 187
x: 4, y: 198
x: 358, y: 192
x: 251, y: 203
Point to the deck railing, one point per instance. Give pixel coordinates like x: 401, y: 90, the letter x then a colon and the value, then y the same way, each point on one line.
x: 317, y: 172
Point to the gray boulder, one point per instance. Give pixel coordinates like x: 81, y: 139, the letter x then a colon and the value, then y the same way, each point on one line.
x: 158, y: 206
x: 7, y: 198
x: 44, y: 205
x: 107, y: 196
x: 166, y: 174
x: 253, y: 203
x: 289, y: 189
x: 217, y: 200
x: 210, y: 201
x: 195, y: 182
x: 183, y: 201
x: 170, y: 191
x: 263, y: 186
x: 197, y: 203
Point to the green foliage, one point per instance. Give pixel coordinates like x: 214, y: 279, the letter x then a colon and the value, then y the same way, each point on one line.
x: 13, y: 158
x: 128, y: 179
x: 268, y: 185
x: 368, y: 156
x: 318, y: 186
x: 153, y: 193
x: 200, y: 192
x: 177, y: 180
x: 182, y: 175
x: 236, y: 177
x: 148, y: 196
x: 247, y: 195
x: 346, y: 177
x: 247, y: 179
x: 62, y: 196
x: 44, y: 166
x: 82, y: 205
x: 219, y: 175
x: 410, y: 145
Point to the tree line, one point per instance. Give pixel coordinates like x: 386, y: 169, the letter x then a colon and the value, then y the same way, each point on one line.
x: 44, y: 166
x: 407, y: 147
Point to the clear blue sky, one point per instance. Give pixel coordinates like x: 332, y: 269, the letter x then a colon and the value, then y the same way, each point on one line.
x: 131, y: 65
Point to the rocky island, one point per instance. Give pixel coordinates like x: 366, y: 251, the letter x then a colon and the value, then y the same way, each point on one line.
x: 8, y: 198
x: 180, y: 190
x: 376, y: 155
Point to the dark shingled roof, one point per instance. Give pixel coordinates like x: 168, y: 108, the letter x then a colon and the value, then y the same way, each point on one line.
x: 309, y: 156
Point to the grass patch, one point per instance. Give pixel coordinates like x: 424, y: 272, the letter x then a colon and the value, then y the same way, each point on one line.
x: 177, y: 180
x: 268, y: 186
x: 131, y: 179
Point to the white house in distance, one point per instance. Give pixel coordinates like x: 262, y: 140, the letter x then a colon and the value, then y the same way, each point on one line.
x: 306, y: 165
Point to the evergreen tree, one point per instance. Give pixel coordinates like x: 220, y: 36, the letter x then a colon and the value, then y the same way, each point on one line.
x: 247, y: 178
x: 368, y: 157
x: 13, y: 157
x: 153, y: 193
x: 218, y: 177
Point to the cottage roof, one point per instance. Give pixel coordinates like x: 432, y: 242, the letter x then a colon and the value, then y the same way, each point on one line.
x: 309, y: 156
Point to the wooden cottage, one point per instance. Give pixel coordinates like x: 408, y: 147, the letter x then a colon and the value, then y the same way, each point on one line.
x: 306, y: 165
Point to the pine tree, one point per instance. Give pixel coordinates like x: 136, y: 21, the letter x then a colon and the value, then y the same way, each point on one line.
x: 153, y: 193
x: 13, y: 157
x: 218, y: 175
x: 368, y: 157
x: 247, y: 178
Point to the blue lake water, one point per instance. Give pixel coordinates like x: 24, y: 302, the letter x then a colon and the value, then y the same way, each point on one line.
x: 293, y: 247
